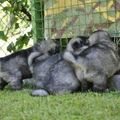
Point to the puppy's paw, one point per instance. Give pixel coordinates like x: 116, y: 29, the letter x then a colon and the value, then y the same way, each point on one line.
x: 39, y: 92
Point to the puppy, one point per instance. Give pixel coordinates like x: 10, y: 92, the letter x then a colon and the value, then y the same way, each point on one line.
x: 95, y: 64
x: 54, y: 75
x: 14, y: 67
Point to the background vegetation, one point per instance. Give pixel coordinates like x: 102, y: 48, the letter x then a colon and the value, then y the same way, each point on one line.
x: 15, y: 27
x: 15, y: 23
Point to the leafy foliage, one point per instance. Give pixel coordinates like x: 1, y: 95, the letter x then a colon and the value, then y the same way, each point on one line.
x: 3, y: 36
x: 21, y: 41
x: 16, y: 19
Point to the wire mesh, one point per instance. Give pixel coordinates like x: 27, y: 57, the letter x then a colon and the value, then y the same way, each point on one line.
x: 56, y: 19
x: 15, y: 25
x: 64, y: 19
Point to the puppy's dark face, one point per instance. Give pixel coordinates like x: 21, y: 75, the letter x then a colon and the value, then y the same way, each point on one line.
x: 49, y: 46
x: 76, y: 43
x: 83, y: 40
x: 54, y: 50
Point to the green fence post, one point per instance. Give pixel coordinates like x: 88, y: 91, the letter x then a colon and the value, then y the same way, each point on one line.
x: 37, y: 20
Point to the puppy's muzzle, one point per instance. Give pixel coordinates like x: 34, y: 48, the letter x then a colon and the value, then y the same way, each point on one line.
x: 54, y: 50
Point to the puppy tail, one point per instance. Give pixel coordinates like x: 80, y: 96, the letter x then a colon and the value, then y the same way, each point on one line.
x: 31, y: 58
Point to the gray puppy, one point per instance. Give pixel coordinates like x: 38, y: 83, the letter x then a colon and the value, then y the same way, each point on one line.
x: 54, y: 75
x: 14, y: 67
x: 95, y: 64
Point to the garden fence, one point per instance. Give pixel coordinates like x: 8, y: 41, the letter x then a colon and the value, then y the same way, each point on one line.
x: 64, y: 19
x: 59, y: 19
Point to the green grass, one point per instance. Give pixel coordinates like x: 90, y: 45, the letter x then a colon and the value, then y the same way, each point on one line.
x: 19, y: 105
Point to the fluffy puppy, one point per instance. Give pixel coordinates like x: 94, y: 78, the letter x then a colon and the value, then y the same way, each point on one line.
x: 14, y: 67
x: 95, y: 64
x: 54, y: 75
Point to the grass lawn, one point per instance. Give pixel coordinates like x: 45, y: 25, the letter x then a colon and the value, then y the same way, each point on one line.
x: 19, y: 105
